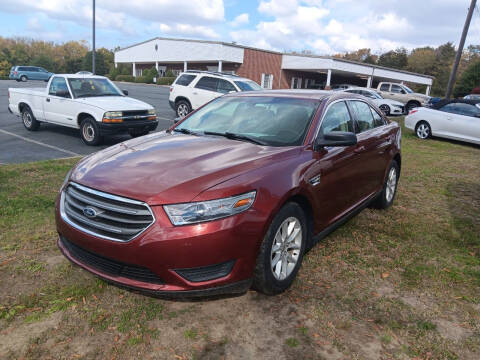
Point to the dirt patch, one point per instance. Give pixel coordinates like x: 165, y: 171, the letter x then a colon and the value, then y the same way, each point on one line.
x: 16, y: 338
x: 451, y: 330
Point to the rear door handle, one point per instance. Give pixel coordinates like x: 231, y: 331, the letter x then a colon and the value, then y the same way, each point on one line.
x: 48, y: 99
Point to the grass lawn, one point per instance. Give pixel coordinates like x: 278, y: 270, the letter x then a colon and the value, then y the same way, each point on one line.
x: 397, y: 284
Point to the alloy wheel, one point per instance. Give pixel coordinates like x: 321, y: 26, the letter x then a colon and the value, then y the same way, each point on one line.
x: 385, y: 109
x: 182, y: 110
x: 27, y: 119
x: 423, y: 131
x: 286, y: 248
x: 88, y: 132
x: 391, y: 184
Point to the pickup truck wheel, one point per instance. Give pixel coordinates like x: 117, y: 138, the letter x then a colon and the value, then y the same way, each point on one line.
x: 282, y: 250
x: 29, y: 121
x: 182, y: 108
x: 135, y: 134
x: 90, y: 132
x: 386, y: 197
x: 23, y: 78
x: 385, y: 109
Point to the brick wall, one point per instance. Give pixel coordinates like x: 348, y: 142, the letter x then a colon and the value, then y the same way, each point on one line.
x: 256, y: 62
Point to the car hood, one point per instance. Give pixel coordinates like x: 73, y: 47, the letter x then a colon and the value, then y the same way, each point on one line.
x: 115, y: 103
x: 167, y: 168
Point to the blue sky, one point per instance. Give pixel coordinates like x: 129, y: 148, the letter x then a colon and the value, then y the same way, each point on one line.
x: 321, y: 26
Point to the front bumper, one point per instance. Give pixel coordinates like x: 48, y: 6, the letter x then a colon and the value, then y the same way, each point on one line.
x: 115, y: 128
x: 397, y: 110
x: 169, y: 255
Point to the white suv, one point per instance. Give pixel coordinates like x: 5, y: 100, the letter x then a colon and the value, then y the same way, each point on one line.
x: 192, y: 89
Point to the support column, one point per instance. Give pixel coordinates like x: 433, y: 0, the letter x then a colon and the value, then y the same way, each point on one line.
x: 428, y: 90
x: 156, y: 65
x: 369, y: 81
x: 184, y: 66
x: 116, y: 64
x: 329, y: 78
x: 219, y: 65
x: 134, y: 72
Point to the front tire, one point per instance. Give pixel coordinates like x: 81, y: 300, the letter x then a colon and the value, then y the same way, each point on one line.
x: 29, y: 121
x: 387, y: 196
x: 182, y: 108
x: 423, y: 130
x: 412, y: 105
x: 90, y: 132
x: 281, y: 252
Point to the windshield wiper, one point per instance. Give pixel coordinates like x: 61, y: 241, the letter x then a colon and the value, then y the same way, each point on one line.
x: 233, y: 136
x: 186, y: 131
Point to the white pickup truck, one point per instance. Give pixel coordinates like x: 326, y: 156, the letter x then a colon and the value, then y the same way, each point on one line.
x: 90, y: 103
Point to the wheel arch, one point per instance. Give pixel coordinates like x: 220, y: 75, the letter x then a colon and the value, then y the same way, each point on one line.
x: 22, y: 105
x: 82, y: 116
x: 179, y: 98
x: 413, y: 101
x: 398, y: 159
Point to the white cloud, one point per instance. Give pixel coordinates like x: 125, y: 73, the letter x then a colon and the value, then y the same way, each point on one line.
x: 241, y: 19
x: 195, y: 31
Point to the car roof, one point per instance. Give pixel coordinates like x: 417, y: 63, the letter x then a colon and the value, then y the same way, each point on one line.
x: 444, y: 102
x: 298, y: 93
x: 216, y: 73
x: 359, y: 88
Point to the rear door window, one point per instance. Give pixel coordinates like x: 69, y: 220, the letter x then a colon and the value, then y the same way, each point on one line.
x: 22, y: 68
x: 185, y: 79
x: 207, y: 83
x: 225, y: 86
x: 363, y: 115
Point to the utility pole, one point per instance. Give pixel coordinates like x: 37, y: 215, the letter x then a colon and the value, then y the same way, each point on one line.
x: 93, y: 34
x: 453, y: 74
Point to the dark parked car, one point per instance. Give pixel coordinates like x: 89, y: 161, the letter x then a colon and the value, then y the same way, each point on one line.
x: 24, y: 73
x: 232, y: 195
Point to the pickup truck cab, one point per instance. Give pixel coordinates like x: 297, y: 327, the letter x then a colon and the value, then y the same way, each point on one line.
x: 90, y: 103
x: 403, y: 94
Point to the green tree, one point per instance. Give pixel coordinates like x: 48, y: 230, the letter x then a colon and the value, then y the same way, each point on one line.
x: 396, y: 59
x: 469, y: 80
x: 100, y: 65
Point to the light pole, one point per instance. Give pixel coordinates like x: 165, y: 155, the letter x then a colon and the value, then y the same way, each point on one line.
x: 453, y: 74
x: 93, y: 35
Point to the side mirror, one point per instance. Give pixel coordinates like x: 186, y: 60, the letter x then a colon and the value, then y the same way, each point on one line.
x: 62, y: 93
x: 336, y: 138
x: 177, y: 119
x: 125, y: 92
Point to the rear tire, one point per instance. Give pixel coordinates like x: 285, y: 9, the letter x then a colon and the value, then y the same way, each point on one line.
x: 281, y: 252
x: 182, y: 108
x: 90, y: 132
x: 387, y: 196
x: 423, y: 130
x: 23, y: 78
x: 29, y: 121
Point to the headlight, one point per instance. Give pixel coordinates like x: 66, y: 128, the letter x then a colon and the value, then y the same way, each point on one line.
x: 195, y: 212
x: 112, y: 117
x: 113, y: 114
x: 152, y: 115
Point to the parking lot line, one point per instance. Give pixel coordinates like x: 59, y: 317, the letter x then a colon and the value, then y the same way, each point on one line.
x: 40, y: 143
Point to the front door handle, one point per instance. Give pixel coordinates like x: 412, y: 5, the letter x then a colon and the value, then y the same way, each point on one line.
x: 359, y: 149
x: 48, y: 99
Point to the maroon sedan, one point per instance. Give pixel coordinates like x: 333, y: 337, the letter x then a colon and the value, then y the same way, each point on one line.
x: 231, y: 196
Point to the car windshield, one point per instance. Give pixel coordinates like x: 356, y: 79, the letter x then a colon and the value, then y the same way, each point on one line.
x: 407, y: 89
x: 248, y: 85
x: 92, y: 87
x: 272, y: 121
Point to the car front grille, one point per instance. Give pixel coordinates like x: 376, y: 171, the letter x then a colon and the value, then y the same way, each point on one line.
x: 135, y: 115
x: 104, y: 215
x: 109, y: 266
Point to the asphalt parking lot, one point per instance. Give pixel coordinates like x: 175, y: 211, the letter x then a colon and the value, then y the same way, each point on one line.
x: 17, y: 145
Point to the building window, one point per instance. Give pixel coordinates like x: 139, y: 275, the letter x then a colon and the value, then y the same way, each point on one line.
x: 267, y: 81
x: 296, y: 83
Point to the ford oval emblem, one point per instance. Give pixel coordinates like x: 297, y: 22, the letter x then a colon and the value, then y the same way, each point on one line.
x: 89, y: 212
